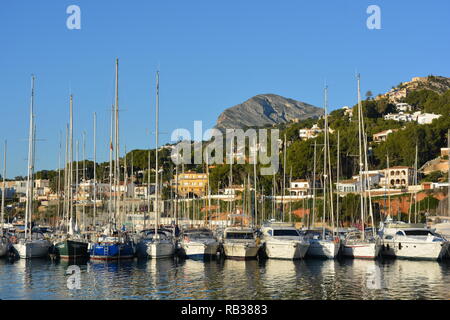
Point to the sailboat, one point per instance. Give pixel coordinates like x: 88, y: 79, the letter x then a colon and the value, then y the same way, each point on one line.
x: 71, y: 246
x: 362, y: 244
x: 199, y: 243
x: 31, y: 244
x: 114, y: 244
x: 4, y: 241
x: 156, y: 244
x: 322, y: 243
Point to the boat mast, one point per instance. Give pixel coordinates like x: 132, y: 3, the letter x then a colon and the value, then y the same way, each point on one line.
x: 325, y: 161
x: 29, y: 204
x: 337, y: 182
x: 448, y: 186
x: 148, y: 189
x: 255, y: 185
x: 77, y: 190
x: 209, y: 191
x: 110, y: 220
x: 284, y: 178
x: 117, y: 151
x: 59, y: 179
x: 71, y: 162
x: 84, y: 178
x: 156, y: 156
x: 66, y: 179
x: 95, y: 171
x: 415, y: 183
x: 4, y: 189
x: 314, y: 187
x: 361, y: 164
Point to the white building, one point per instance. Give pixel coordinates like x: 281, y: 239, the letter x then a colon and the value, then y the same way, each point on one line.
x: 401, y: 116
x: 382, y: 136
x: 348, y: 186
x: 300, y: 187
x: 427, y: 118
x: 403, y: 107
x: 348, y: 111
x: 397, y: 177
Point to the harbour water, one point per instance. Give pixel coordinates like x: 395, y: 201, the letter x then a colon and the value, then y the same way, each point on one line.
x: 228, y: 279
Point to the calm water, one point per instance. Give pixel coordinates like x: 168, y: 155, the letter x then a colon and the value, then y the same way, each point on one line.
x: 228, y: 279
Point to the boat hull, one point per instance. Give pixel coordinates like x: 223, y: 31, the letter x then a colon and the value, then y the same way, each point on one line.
x: 3, y: 249
x: 70, y: 249
x: 240, y: 250
x: 361, y: 251
x: 198, y: 250
x: 111, y: 251
x: 287, y: 250
x: 419, y: 250
x: 323, y: 249
x: 33, y: 249
x: 155, y: 250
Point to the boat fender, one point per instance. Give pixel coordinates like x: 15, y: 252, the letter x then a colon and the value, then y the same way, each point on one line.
x: 399, y: 246
x: 13, y: 239
x: 336, y: 239
x: 258, y: 241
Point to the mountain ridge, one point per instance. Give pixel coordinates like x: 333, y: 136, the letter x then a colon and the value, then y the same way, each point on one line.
x: 266, y: 109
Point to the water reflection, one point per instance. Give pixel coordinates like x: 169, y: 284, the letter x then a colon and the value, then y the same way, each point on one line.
x: 227, y: 279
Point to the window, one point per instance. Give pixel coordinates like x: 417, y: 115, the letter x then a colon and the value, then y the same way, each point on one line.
x: 286, y: 233
x: 418, y: 232
x: 399, y: 233
x: 239, y: 235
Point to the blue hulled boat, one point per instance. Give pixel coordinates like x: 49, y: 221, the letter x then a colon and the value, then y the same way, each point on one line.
x: 112, y: 248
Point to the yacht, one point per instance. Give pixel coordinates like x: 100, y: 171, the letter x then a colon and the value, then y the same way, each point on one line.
x: 283, y: 241
x: 412, y: 241
x: 322, y: 244
x: 155, y: 244
x: 198, y: 243
x: 240, y: 243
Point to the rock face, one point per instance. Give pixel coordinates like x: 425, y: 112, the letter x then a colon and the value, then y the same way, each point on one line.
x: 264, y: 110
x: 438, y: 84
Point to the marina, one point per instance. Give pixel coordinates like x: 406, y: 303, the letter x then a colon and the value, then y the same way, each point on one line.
x: 224, y: 151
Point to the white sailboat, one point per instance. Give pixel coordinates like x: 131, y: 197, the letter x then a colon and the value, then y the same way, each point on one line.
x: 156, y: 244
x: 283, y: 241
x: 322, y: 243
x: 32, y: 244
x: 362, y: 244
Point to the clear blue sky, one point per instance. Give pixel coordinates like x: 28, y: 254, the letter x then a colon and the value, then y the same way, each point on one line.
x: 212, y: 55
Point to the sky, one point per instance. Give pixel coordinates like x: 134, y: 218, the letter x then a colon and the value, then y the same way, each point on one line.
x: 211, y: 55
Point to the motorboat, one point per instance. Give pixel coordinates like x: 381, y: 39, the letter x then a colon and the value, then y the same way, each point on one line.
x: 198, y: 243
x: 283, y: 241
x: 240, y: 243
